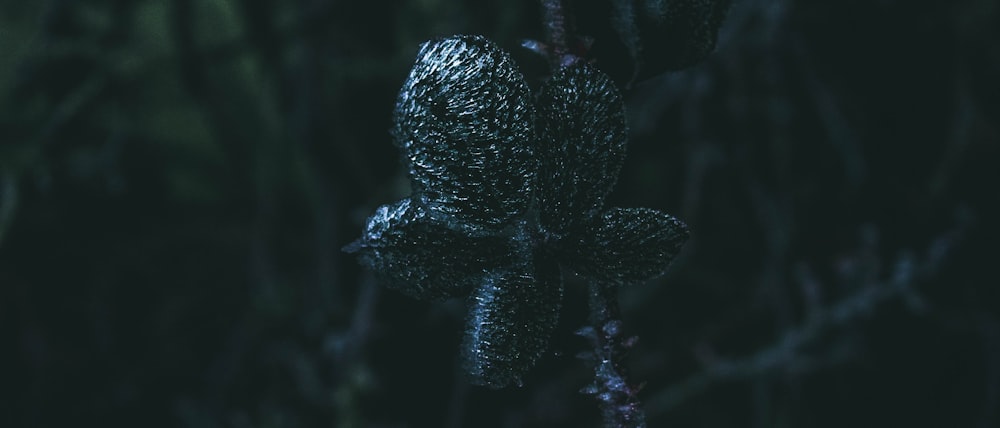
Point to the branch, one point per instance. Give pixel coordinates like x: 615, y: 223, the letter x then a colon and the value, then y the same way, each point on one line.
x: 8, y: 202
x: 554, y: 17
x: 558, y: 36
x: 785, y: 353
x: 619, y: 405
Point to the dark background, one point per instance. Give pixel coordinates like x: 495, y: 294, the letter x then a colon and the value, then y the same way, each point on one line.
x: 177, y: 179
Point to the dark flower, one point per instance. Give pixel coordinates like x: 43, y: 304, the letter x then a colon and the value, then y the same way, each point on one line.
x: 507, y: 189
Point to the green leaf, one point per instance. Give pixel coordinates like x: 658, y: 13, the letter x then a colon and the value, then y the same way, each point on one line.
x: 463, y: 118
x: 664, y: 35
x: 582, y: 137
x: 422, y: 257
x: 629, y: 245
x: 511, y: 317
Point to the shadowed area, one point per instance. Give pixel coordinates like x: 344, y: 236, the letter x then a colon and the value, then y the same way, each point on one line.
x: 177, y: 180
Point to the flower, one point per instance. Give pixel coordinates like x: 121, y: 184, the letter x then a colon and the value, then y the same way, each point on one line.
x: 506, y: 189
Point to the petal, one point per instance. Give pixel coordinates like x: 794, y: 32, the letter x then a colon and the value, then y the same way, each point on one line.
x: 630, y: 245
x: 463, y: 118
x: 424, y: 258
x: 511, y: 319
x: 582, y: 138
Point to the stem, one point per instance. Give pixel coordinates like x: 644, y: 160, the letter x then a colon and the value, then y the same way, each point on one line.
x: 558, y: 37
x: 554, y: 17
x: 8, y: 202
x: 619, y: 405
x: 617, y: 399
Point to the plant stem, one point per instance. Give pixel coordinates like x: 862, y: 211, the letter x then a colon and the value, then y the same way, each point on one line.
x: 8, y: 202
x: 561, y: 47
x: 617, y: 399
x: 554, y: 18
x: 619, y: 405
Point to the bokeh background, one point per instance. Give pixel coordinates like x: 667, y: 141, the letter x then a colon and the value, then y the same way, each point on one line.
x: 177, y: 179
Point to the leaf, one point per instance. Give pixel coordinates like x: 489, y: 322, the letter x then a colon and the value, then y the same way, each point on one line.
x: 512, y: 315
x: 629, y: 246
x: 464, y: 120
x: 468, y: 130
x: 582, y: 137
x: 635, y: 40
x: 422, y: 257
x: 664, y: 35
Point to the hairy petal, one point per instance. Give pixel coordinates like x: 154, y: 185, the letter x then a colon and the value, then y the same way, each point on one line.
x: 422, y: 257
x: 582, y: 137
x: 463, y: 118
x: 511, y: 318
x: 629, y: 245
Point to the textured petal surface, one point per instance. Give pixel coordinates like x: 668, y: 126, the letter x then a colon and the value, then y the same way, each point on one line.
x: 629, y: 245
x: 464, y: 120
x: 422, y: 257
x: 511, y: 317
x: 582, y: 137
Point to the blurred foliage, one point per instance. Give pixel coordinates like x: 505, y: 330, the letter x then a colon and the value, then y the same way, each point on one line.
x: 177, y: 178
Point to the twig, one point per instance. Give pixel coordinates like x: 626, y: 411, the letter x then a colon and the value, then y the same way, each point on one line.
x: 785, y: 352
x: 558, y: 36
x: 8, y: 202
x: 619, y: 405
x: 346, y: 351
x: 554, y: 17
x: 617, y: 399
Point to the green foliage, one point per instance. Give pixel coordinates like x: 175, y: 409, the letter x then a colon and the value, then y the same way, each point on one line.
x: 505, y: 191
x: 177, y: 176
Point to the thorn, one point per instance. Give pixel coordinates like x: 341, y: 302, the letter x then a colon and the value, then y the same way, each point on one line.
x: 612, y: 328
x: 535, y: 46
x: 630, y: 342
x: 354, y: 247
